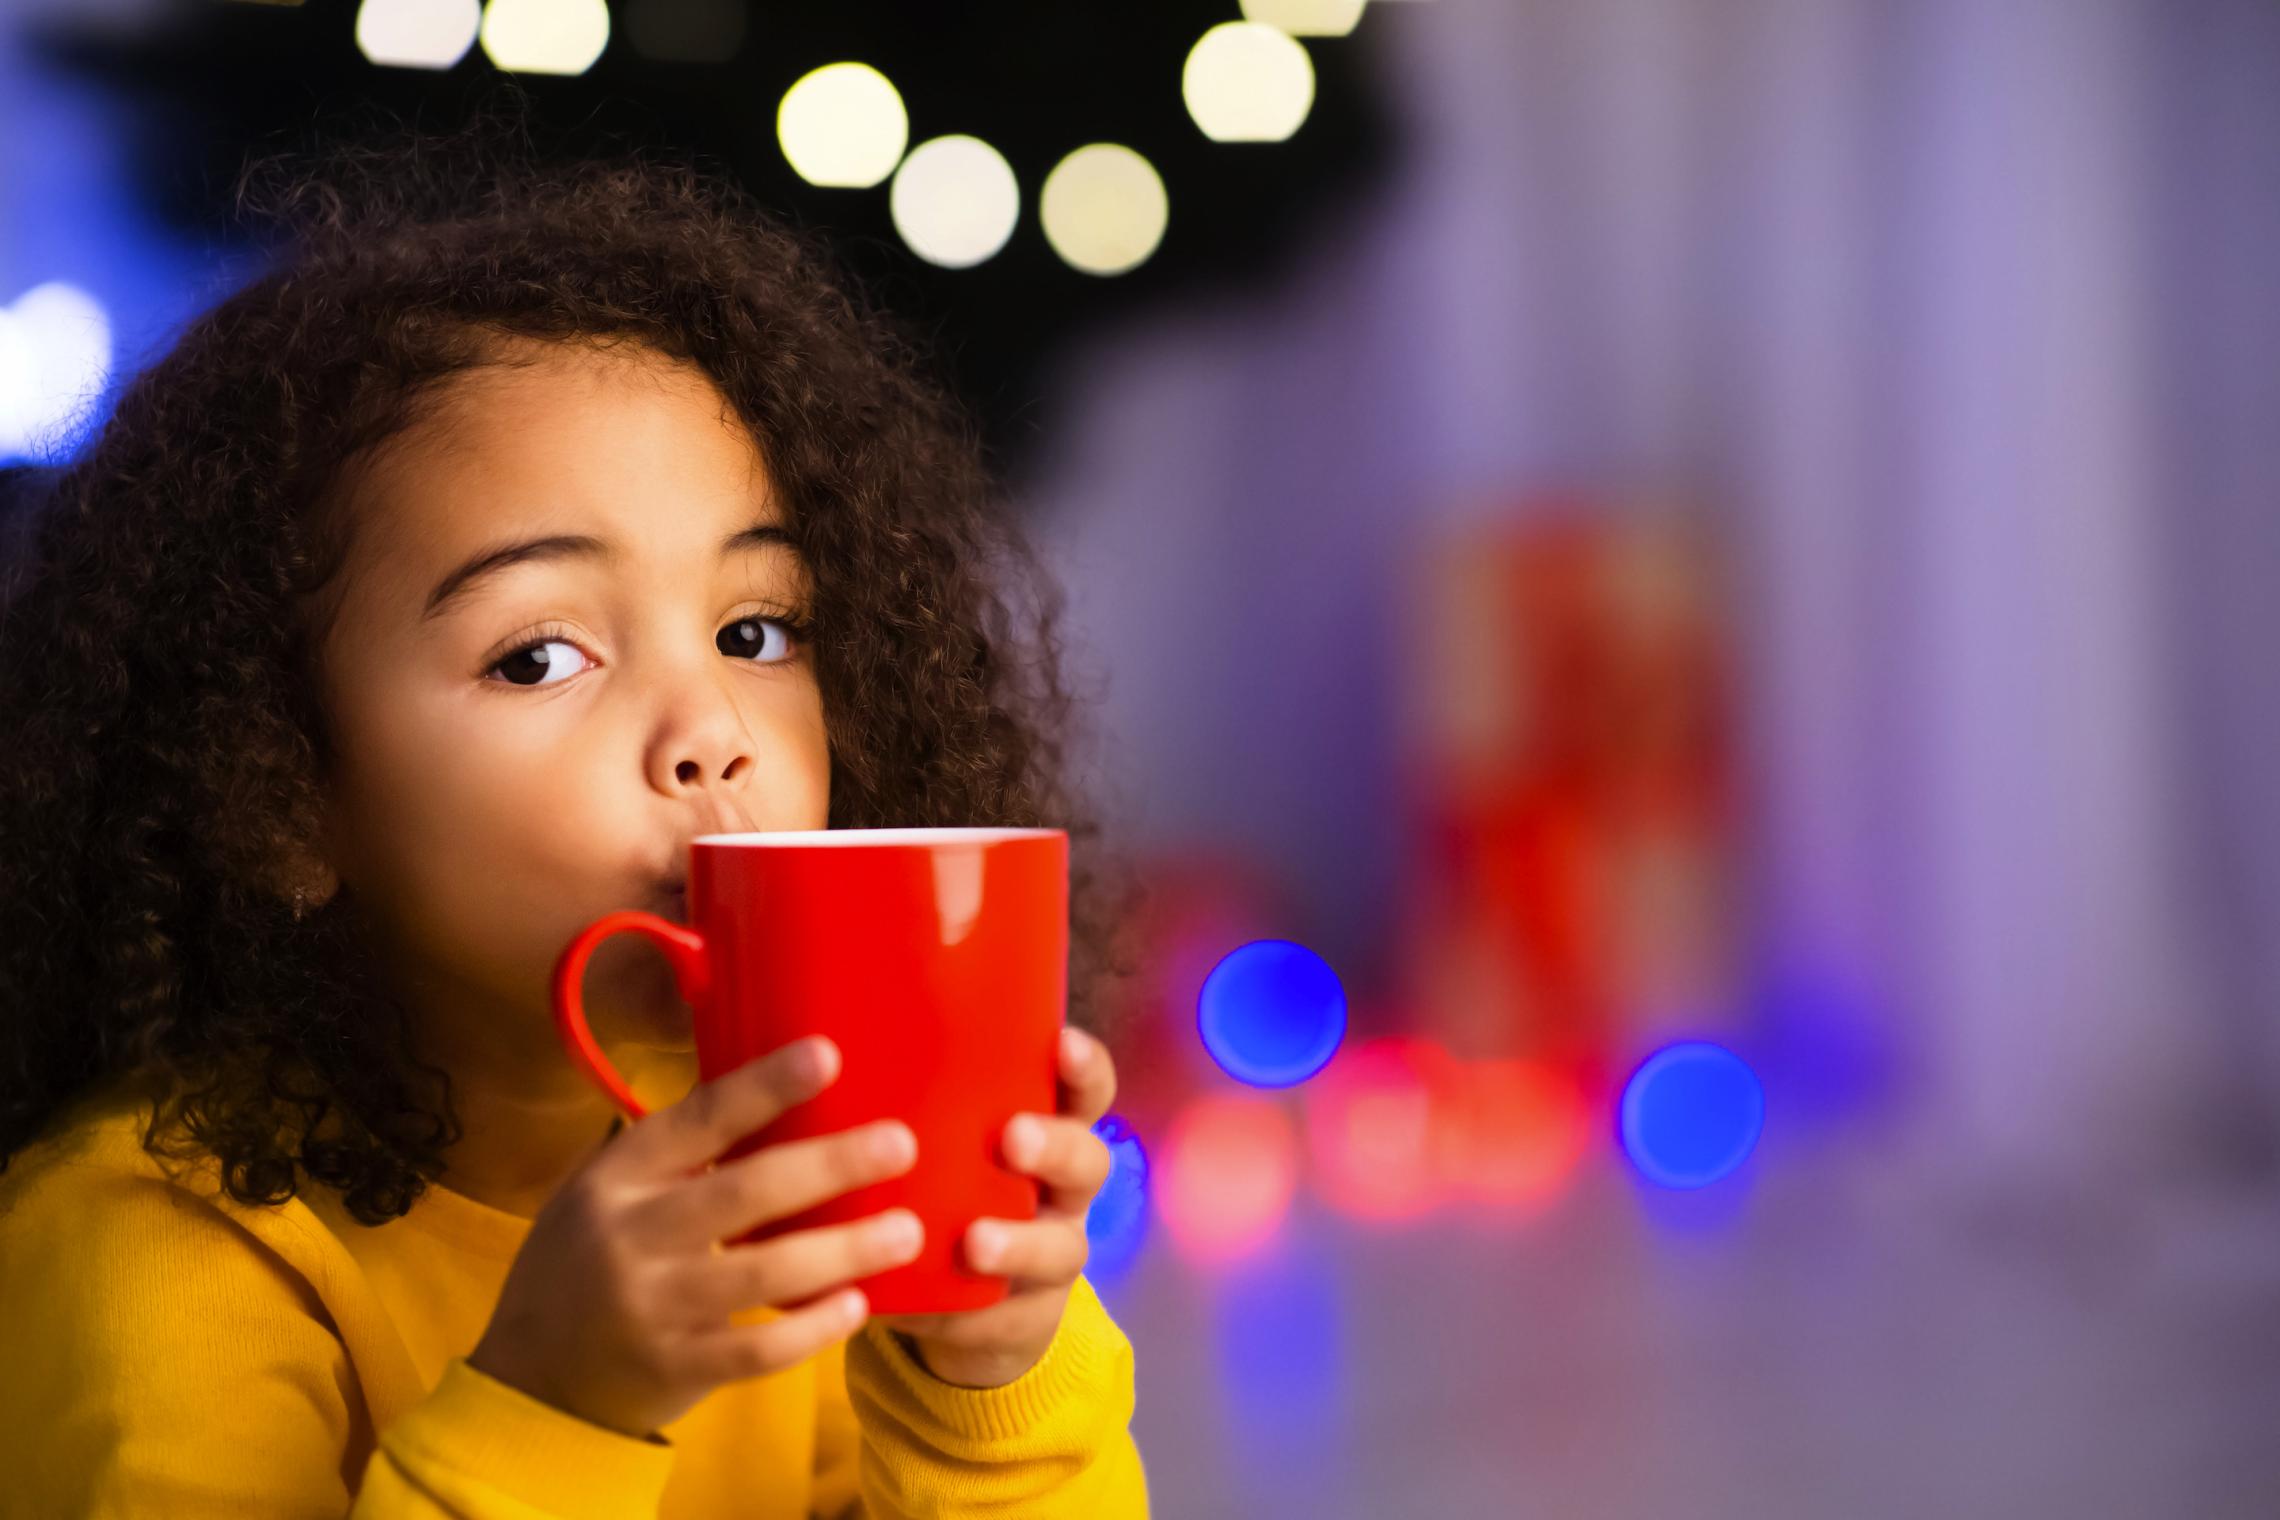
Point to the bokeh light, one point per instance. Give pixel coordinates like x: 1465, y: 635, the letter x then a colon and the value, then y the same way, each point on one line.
x: 546, y: 36
x: 1245, y: 82
x: 1104, y: 209
x: 1306, y: 18
x: 1373, y: 1128
x: 1116, y: 1225
x: 1226, y: 1174
x: 1512, y: 1134
x: 417, y: 34
x: 1272, y: 1013
x: 1691, y: 1114
x: 955, y: 201
x: 843, y: 126
x: 55, y: 359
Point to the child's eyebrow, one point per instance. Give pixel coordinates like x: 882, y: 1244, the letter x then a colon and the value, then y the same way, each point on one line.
x: 568, y: 546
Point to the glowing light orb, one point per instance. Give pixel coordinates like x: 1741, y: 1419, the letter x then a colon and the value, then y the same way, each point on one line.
x: 1375, y: 1128
x: 1228, y: 1170
x: 417, y: 34
x: 955, y: 201
x: 55, y: 358
x: 843, y: 126
x: 1514, y: 1134
x: 1272, y: 1013
x: 1245, y: 82
x: 1104, y: 209
x: 546, y: 36
x: 1306, y: 18
x: 1117, y: 1223
x: 1691, y: 1114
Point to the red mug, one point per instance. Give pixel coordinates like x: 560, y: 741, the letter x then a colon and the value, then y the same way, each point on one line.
x: 936, y: 959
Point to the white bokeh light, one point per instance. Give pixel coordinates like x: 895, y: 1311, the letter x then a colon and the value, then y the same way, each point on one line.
x: 955, y: 201
x: 1245, y: 82
x: 417, y: 34
x: 546, y: 36
x: 55, y: 358
x: 843, y: 126
x: 1306, y: 18
x: 1104, y: 209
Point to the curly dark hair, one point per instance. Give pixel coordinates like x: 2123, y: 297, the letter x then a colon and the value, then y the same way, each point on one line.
x: 157, y: 641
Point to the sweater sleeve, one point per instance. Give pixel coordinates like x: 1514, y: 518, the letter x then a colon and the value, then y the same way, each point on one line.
x: 1055, y: 1442
x: 164, y: 1361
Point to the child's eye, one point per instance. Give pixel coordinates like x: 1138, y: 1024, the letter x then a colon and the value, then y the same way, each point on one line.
x: 542, y: 662
x: 764, y: 641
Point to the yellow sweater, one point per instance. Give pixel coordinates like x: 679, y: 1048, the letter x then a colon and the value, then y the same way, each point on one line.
x: 172, y: 1353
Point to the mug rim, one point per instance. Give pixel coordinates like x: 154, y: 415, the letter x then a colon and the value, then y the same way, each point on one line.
x: 846, y: 838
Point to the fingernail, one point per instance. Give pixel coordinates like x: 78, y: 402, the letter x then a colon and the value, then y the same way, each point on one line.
x: 820, y: 1058
x: 895, y: 1145
x: 898, y: 1231
x: 1023, y: 1136
x: 1074, y: 1046
x: 983, y: 1243
x: 853, y: 1305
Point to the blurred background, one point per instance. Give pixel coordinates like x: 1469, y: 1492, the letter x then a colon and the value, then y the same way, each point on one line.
x: 1680, y: 603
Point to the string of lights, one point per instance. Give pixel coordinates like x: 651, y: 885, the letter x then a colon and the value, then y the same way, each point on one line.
x: 955, y: 200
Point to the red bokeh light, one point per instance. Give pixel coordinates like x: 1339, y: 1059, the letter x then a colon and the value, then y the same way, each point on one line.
x: 1511, y: 1134
x: 1374, y: 1121
x: 1225, y: 1175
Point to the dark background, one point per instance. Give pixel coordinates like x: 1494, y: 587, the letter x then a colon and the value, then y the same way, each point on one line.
x: 203, y: 85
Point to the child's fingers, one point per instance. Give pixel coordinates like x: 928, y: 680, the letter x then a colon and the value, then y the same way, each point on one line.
x: 1088, y: 1076
x: 1042, y: 1251
x: 1064, y: 1154
x: 744, y: 1351
x: 773, y: 1183
x: 715, y: 1115
x: 1025, y: 1321
x: 790, y: 1269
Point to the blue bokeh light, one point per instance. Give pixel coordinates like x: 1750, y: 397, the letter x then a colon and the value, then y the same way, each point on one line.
x: 1116, y: 1225
x: 1272, y: 1013
x: 1691, y: 1114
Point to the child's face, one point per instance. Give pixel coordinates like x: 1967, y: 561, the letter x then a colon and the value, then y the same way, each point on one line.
x: 487, y: 802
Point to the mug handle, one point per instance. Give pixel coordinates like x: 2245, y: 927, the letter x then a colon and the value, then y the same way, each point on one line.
x: 684, y: 948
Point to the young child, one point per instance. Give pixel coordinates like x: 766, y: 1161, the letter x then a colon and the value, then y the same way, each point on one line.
x: 418, y: 607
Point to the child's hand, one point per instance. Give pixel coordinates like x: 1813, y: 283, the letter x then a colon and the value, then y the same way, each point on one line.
x: 617, y: 1306
x: 988, y: 1348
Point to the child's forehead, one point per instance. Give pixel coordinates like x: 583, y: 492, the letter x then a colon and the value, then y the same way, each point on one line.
x: 563, y: 422
x: 622, y: 444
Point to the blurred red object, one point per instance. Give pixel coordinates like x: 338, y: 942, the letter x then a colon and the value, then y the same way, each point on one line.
x: 1225, y: 1175
x: 1397, y: 1127
x: 1374, y: 1122
x: 1512, y: 1134
x: 1569, y: 773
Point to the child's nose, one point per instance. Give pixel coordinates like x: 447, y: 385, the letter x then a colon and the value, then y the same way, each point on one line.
x: 700, y: 749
